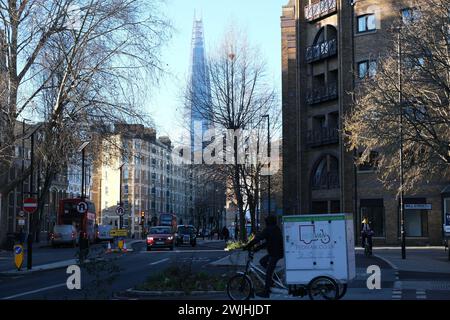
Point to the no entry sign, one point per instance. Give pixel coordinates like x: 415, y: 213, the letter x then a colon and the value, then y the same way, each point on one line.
x: 30, y: 205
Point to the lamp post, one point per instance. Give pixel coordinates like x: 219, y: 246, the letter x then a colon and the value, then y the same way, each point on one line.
x: 400, y: 101
x: 82, y: 149
x: 31, y: 193
x: 268, y: 155
x: 120, y: 194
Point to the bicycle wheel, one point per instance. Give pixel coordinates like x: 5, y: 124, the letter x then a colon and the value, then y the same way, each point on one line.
x: 239, y: 287
x: 342, y: 290
x: 323, y: 288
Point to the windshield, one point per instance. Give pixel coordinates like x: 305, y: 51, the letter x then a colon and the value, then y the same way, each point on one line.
x: 185, y: 230
x: 63, y: 228
x: 160, y: 230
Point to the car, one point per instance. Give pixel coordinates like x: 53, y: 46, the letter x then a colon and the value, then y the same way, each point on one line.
x: 104, y: 233
x: 160, y: 237
x: 186, y: 234
x: 64, y: 234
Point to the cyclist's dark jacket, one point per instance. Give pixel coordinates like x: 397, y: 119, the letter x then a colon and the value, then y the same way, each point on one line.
x: 273, y: 241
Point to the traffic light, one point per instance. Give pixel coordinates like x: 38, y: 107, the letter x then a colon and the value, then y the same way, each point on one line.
x: 142, y: 217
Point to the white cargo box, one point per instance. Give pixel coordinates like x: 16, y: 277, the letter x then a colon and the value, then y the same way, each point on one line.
x: 319, y: 245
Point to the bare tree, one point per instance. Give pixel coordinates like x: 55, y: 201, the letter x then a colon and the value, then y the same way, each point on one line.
x: 75, y: 66
x: 230, y: 95
x: 412, y: 84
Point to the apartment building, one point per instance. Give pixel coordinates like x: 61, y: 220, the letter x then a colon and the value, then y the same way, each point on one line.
x: 151, y: 182
x: 328, y: 46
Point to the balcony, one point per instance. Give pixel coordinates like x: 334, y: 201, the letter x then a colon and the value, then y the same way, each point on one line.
x: 320, y: 9
x: 322, y: 93
x: 322, y: 50
x: 321, y: 137
x: 326, y: 181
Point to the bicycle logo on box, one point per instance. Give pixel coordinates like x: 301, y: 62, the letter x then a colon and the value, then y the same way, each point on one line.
x: 308, y: 234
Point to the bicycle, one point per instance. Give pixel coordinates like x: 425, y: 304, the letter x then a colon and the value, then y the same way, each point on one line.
x: 367, y: 247
x: 241, y: 286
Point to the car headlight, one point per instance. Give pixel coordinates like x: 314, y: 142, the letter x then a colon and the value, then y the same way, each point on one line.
x: 170, y: 238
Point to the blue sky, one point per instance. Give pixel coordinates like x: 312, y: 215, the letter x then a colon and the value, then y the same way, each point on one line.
x: 259, y: 18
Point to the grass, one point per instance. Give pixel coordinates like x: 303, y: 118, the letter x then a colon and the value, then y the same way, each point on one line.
x: 236, y: 245
x: 180, y: 278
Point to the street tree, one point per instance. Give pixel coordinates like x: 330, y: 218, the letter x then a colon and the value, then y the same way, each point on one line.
x: 77, y: 67
x: 232, y: 92
x: 408, y: 98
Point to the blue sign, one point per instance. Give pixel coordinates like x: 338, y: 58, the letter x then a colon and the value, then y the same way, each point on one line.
x: 18, y: 250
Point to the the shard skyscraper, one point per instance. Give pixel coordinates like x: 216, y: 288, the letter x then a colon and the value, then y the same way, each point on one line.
x: 200, y: 89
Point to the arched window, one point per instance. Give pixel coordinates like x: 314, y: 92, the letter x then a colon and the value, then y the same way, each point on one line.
x: 325, y: 173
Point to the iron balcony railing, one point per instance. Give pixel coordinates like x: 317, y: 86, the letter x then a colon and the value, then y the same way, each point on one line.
x: 323, y: 136
x: 321, y: 51
x: 322, y: 94
x: 320, y: 9
x: 328, y: 180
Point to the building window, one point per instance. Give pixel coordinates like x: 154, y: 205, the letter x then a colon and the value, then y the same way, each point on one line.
x: 326, y: 173
x: 410, y: 15
x: 373, y: 209
x: 366, y: 23
x: 416, y: 220
x: 367, y: 68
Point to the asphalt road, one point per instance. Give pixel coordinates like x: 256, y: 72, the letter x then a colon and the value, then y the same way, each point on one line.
x: 134, y: 266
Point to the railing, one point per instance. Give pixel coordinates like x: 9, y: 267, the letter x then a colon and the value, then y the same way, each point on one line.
x: 326, y: 181
x: 323, y: 136
x: 320, y: 9
x: 321, y: 51
x: 322, y: 94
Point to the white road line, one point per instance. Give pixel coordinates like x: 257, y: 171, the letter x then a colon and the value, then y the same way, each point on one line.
x: 34, y: 291
x: 181, y: 251
x: 160, y: 261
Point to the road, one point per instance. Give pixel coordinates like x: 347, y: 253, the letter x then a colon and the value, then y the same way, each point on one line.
x: 136, y: 266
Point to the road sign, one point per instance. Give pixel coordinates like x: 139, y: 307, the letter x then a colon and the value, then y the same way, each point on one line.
x: 18, y: 256
x: 21, y: 213
x: 21, y: 222
x: 118, y: 232
x: 120, y: 211
x: 82, y: 207
x: 30, y: 205
x: 419, y: 206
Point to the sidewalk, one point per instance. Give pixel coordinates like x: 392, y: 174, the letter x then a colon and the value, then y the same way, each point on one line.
x: 418, y: 259
x: 55, y: 264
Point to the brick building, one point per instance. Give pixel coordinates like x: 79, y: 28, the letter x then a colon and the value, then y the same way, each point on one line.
x: 327, y: 47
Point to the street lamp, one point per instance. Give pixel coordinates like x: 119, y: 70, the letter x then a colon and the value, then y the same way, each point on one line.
x: 268, y: 155
x: 400, y: 101
x: 31, y: 234
x: 120, y: 194
x: 82, y: 149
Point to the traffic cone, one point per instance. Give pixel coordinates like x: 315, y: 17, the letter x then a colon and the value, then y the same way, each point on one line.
x: 109, y: 250
x: 124, y: 246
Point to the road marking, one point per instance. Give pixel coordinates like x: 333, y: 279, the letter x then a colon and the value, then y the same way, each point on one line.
x: 421, y: 294
x: 160, y: 261
x: 181, y: 251
x: 34, y: 291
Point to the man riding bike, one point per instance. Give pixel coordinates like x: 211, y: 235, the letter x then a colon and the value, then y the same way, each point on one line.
x: 366, y: 234
x: 274, y: 243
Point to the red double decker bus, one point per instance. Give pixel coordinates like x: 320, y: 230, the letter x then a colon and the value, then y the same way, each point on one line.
x: 168, y: 219
x: 83, y: 222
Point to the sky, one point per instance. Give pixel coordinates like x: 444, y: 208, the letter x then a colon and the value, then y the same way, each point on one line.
x: 259, y: 18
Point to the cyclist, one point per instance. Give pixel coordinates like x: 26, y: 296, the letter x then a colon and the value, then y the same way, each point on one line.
x: 274, y: 243
x: 366, y: 233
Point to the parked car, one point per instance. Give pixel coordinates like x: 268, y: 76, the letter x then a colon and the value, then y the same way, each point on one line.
x: 103, y: 233
x: 64, y: 234
x: 160, y: 237
x: 186, y: 234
